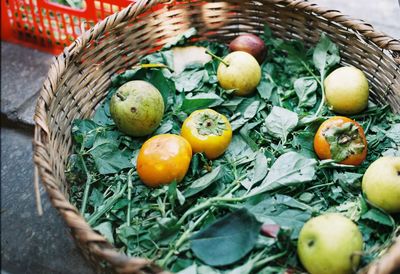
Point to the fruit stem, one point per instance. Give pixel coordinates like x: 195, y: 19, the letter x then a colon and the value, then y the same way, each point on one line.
x: 217, y: 57
x: 158, y: 65
x: 120, y: 96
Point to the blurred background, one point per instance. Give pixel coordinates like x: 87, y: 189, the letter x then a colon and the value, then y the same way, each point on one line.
x: 33, y: 244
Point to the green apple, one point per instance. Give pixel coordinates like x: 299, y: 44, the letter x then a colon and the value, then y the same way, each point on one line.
x: 242, y: 73
x: 381, y: 183
x: 137, y: 108
x: 347, y: 90
x: 330, y: 243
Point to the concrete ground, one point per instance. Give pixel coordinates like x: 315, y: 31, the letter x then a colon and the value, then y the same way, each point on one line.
x: 33, y: 244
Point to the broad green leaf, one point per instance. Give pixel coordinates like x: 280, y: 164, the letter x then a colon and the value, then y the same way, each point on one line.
x: 109, y: 159
x: 305, y: 142
x: 106, y: 230
x: 189, y: 80
x: 164, y: 85
x: 305, y: 89
x: 326, y: 54
x: 248, y: 109
x: 227, y: 240
x: 165, y: 127
x: 394, y: 133
x: 203, y: 182
x: 102, y: 115
x: 96, y: 198
x: 181, y: 39
x: 266, y: 86
x: 200, y: 101
x: 378, y: 216
x: 280, y: 122
x: 84, y: 132
x: 289, y: 169
x: 260, y: 167
x: 282, y: 210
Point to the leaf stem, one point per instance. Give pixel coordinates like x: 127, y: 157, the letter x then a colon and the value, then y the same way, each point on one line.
x: 321, y: 83
x: 182, y: 239
x: 107, y: 206
x: 130, y: 187
x: 217, y: 57
x: 87, y: 186
x: 269, y: 259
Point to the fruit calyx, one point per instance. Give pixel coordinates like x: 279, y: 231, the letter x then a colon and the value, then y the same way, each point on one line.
x: 209, y: 124
x: 344, y: 140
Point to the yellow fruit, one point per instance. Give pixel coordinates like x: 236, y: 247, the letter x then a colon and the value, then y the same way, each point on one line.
x: 243, y: 74
x: 381, y: 183
x: 347, y: 90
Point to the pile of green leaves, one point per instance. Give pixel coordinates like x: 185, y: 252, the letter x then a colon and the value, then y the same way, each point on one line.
x: 210, y: 222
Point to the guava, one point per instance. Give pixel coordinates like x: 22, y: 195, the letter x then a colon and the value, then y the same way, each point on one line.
x: 137, y: 108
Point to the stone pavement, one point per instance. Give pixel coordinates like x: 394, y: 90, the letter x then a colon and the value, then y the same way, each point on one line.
x: 32, y: 244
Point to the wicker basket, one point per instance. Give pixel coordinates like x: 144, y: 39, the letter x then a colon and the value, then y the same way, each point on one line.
x: 79, y: 78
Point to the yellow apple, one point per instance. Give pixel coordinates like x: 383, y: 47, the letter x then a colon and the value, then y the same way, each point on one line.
x: 243, y: 73
x: 347, y: 90
x: 381, y: 183
x: 330, y: 243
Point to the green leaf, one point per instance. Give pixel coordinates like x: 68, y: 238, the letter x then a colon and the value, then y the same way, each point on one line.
x: 109, y: 159
x: 305, y: 141
x: 266, y: 85
x: 165, y: 127
x: 96, y: 198
x: 282, y: 210
x: 289, y: 169
x: 378, y: 216
x: 227, y: 240
x: 248, y: 109
x: 305, y: 89
x: 189, y: 80
x: 164, y: 85
x: 326, y: 55
x: 280, y: 122
x: 84, y: 132
x: 260, y: 168
x: 200, y: 101
x: 203, y: 182
x: 394, y: 133
x: 102, y: 115
x: 181, y: 39
x: 106, y: 230
x: 129, y: 75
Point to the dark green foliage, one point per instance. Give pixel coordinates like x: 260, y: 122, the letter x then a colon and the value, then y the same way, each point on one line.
x: 209, y: 223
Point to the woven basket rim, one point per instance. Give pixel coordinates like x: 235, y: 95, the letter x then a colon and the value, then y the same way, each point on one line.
x: 95, y: 242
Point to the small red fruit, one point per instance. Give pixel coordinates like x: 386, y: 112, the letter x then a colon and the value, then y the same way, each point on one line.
x: 250, y: 43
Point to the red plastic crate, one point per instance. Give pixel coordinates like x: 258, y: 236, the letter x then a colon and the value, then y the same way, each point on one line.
x: 49, y: 26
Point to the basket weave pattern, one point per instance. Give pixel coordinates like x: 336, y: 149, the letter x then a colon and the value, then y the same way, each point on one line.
x: 79, y: 78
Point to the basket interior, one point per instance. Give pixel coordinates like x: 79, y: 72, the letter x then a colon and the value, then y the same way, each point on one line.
x: 85, y: 82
